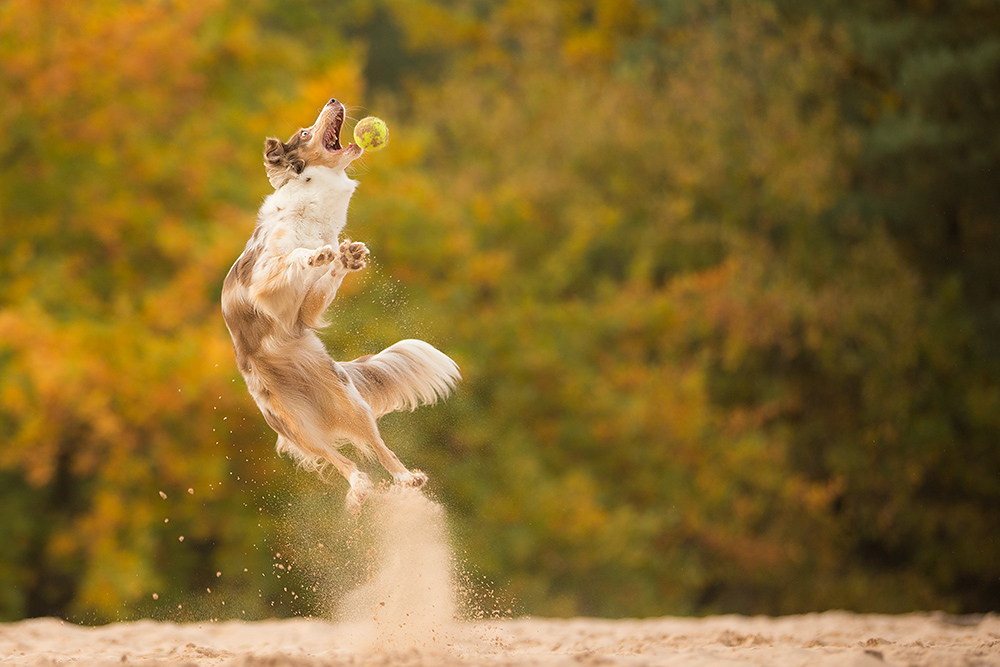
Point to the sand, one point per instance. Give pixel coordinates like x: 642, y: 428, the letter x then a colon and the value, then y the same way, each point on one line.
x: 830, y: 638
x: 403, y: 609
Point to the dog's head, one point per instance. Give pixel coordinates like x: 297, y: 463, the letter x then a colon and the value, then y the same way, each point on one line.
x: 318, y: 145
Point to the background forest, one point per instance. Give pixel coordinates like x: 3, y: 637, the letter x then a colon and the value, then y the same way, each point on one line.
x: 722, y: 277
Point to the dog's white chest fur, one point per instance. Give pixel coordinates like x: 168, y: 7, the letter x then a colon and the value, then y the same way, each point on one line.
x: 312, y: 209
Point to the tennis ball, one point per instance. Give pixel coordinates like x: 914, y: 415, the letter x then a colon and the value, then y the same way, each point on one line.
x: 371, y: 133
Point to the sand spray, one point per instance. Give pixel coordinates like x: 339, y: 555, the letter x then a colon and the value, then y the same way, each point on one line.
x: 408, y: 596
x: 389, y: 576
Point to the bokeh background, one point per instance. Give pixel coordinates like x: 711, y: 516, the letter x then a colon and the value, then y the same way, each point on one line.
x: 722, y: 276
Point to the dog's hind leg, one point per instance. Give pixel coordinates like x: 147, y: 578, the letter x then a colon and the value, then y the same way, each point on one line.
x: 361, y: 486
x: 360, y: 428
x: 400, y: 474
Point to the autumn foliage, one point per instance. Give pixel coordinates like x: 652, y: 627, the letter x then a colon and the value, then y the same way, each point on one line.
x: 715, y: 359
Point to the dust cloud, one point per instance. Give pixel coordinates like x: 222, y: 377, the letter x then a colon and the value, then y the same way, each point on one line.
x: 409, y: 596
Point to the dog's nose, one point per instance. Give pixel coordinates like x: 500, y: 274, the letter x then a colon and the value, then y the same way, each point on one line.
x: 333, y: 100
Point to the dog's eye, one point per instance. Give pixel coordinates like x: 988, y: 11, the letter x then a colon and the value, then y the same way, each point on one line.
x: 305, y: 133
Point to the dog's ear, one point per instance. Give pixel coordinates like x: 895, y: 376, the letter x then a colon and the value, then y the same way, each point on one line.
x: 274, y: 150
x: 281, y: 162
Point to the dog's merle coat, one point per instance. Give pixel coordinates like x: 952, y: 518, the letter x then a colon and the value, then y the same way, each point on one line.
x: 274, y: 298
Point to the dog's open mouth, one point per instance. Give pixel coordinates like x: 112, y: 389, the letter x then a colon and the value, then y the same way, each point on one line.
x: 331, y: 138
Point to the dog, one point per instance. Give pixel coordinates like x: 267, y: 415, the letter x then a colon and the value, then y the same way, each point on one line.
x: 273, y: 301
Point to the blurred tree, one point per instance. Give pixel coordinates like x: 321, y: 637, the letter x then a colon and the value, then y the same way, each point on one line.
x: 130, y: 468
x: 600, y: 192
x: 699, y: 377
x: 921, y: 90
x: 718, y: 274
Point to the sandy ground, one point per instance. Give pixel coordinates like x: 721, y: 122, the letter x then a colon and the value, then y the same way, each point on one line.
x: 401, y: 613
x: 830, y: 638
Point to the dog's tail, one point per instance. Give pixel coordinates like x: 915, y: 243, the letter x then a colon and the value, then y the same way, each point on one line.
x: 403, y: 376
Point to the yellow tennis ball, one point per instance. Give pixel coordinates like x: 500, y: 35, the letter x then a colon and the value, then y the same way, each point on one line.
x: 371, y: 133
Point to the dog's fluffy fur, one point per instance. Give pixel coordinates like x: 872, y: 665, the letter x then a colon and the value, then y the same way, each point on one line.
x: 274, y: 298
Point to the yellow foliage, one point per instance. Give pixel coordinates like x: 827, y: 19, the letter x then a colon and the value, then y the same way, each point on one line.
x: 679, y: 355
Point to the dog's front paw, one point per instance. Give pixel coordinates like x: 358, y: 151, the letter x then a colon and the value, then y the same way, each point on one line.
x: 411, y: 478
x: 352, y: 255
x: 322, y: 256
